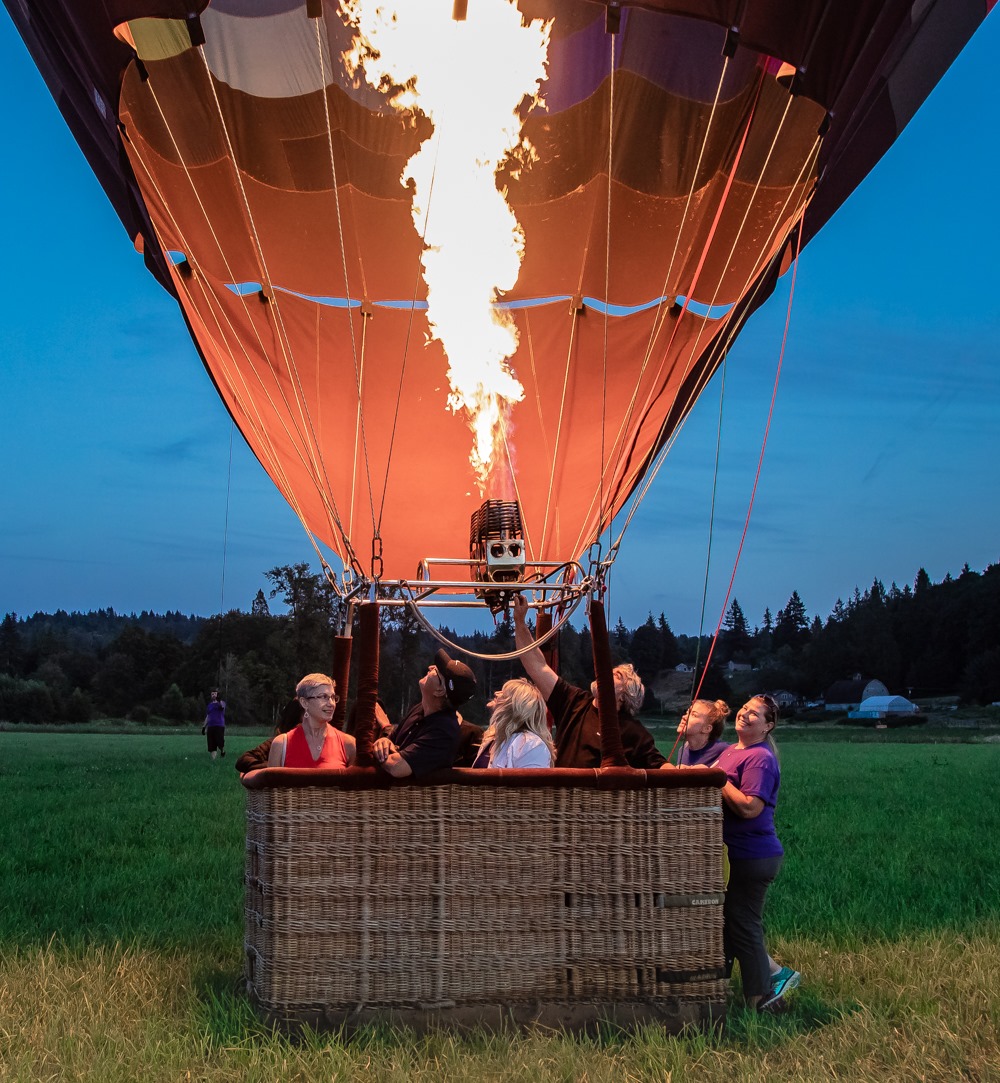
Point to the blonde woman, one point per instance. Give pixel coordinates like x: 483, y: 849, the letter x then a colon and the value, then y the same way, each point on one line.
x: 518, y: 735
x: 701, y: 727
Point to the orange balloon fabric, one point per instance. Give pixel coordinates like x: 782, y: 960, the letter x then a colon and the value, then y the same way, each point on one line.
x: 682, y: 147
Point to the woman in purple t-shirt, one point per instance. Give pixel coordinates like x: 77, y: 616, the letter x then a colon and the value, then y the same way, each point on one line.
x: 755, y: 854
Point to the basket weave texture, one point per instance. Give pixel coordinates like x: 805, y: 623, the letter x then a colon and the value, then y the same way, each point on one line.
x: 445, y: 895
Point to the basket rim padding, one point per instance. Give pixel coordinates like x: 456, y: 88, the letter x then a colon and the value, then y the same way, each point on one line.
x: 373, y: 778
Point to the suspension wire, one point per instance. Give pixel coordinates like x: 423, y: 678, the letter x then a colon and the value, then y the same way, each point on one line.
x: 607, y: 285
x: 406, y: 341
x: 225, y: 550
x: 529, y: 548
x: 760, y: 460
x: 715, y: 223
x: 314, y: 448
x: 503, y: 418
x: 598, y: 497
x: 662, y: 309
x: 567, y: 609
x: 347, y: 287
x: 711, y: 524
x: 358, y: 410
x: 724, y: 341
x: 236, y: 375
x: 559, y: 425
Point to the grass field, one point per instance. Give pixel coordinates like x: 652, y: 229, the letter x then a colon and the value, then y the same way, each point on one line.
x: 121, y: 930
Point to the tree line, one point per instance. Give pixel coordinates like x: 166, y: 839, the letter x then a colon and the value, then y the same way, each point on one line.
x: 920, y: 640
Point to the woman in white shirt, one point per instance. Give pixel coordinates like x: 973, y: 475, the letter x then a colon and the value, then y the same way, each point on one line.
x: 518, y: 735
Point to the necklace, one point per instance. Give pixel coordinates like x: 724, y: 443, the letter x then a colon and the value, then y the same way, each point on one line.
x: 315, y: 740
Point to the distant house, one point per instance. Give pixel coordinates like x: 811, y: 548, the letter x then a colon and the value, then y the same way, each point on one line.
x: 784, y: 699
x: 672, y: 691
x: 683, y: 667
x: 883, y: 706
x: 738, y: 667
x: 847, y: 695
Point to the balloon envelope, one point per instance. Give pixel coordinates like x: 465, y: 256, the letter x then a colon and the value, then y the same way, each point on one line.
x: 679, y: 154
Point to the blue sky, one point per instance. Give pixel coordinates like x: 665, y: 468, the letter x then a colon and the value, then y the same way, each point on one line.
x: 881, y: 459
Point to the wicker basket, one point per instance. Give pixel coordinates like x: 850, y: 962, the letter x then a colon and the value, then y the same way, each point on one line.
x: 556, y: 897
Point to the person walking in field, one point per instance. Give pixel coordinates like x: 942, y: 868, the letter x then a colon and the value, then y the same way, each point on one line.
x: 215, y: 724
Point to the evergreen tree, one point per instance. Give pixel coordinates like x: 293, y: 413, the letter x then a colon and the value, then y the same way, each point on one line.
x: 314, y: 611
x: 647, y: 651
x: 78, y: 709
x: 791, y: 628
x: 669, y: 652
x: 260, y: 608
x: 981, y: 679
x: 11, y: 648
x: 736, y: 635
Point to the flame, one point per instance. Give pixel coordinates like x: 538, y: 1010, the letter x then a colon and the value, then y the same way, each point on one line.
x: 471, y: 79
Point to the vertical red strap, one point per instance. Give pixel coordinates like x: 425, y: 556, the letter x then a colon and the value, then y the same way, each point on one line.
x: 612, y: 753
x: 342, y: 675
x: 368, y: 658
x: 543, y: 625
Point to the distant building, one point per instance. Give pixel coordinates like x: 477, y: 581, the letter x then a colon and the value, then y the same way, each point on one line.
x: 738, y: 667
x: 883, y: 706
x: 784, y: 699
x: 848, y: 695
x: 683, y: 667
x: 672, y: 691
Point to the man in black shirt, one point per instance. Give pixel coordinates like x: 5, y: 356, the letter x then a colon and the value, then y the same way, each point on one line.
x: 430, y: 734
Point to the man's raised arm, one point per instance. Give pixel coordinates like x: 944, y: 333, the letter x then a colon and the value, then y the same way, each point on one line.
x: 534, y: 663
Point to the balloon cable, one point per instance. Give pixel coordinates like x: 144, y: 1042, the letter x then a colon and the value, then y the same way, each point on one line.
x: 260, y: 429
x: 406, y: 343
x: 607, y: 287
x: 711, y: 524
x: 225, y: 552
x: 760, y: 463
x: 720, y: 348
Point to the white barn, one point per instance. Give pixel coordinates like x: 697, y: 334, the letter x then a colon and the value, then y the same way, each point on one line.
x: 882, y: 706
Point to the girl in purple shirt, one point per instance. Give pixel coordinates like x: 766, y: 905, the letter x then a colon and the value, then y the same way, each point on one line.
x: 701, y: 728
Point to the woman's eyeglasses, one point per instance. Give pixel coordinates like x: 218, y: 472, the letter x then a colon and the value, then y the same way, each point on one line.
x: 325, y: 698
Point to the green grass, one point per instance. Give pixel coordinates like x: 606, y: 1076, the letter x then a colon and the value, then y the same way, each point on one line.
x: 121, y: 930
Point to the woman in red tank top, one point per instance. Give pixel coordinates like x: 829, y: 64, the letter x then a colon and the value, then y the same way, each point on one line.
x: 314, y: 742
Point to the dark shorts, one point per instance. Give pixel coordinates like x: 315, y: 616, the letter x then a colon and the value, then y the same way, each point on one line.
x: 216, y: 736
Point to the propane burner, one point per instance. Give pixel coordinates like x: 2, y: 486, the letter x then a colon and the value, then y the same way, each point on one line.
x: 496, y: 545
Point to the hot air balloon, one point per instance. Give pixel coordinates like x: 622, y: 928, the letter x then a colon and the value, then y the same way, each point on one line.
x: 307, y: 181
x: 671, y: 158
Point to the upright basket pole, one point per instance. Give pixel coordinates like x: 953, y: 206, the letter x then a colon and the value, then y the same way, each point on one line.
x: 342, y: 675
x: 612, y: 753
x: 368, y: 661
x: 543, y: 625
